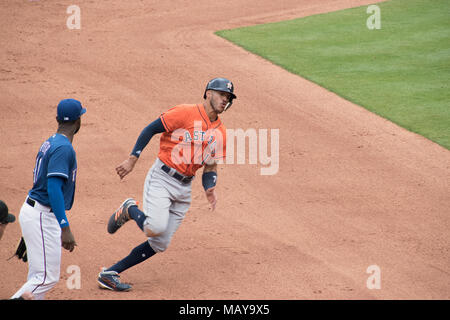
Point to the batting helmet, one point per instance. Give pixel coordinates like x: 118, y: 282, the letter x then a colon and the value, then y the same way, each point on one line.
x: 221, y: 84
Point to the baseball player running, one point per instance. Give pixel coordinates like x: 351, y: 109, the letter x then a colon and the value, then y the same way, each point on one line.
x: 193, y: 136
x: 43, y: 220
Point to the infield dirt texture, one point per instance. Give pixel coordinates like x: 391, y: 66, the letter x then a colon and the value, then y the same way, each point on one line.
x: 353, y: 190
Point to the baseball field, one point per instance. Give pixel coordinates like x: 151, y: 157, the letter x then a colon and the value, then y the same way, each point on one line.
x: 358, y: 207
x: 400, y: 71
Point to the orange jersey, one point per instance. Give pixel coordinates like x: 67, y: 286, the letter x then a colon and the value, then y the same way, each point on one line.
x: 191, y: 140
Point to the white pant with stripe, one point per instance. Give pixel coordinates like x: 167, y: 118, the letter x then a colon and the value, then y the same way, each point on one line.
x: 42, y: 235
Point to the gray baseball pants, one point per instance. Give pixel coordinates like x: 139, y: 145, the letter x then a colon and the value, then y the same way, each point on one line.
x: 165, y: 203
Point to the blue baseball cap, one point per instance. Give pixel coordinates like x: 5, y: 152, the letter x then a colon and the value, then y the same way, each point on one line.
x: 70, y: 110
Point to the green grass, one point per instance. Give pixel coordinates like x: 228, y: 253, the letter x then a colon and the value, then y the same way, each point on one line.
x: 400, y: 72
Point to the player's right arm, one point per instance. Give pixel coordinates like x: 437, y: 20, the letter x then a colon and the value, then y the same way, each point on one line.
x: 144, y: 138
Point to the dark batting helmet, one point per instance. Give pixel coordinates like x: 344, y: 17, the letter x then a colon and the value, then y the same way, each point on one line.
x: 221, y: 84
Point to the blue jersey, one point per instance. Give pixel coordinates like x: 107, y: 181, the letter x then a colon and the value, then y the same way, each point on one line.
x: 56, y: 158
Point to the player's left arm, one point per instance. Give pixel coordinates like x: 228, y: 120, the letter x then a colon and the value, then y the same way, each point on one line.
x: 56, y: 198
x: 209, y: 179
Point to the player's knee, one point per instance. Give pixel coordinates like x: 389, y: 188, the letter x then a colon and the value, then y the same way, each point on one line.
x: 48, y: 278
x: 154, y: 229
x: 149, y: 233
x: 46, y: 281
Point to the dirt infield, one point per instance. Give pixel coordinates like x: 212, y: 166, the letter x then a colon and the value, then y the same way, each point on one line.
x: 352, y: 190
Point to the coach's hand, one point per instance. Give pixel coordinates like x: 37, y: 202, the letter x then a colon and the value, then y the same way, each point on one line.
x: 126, y: 167
x: 212, y: 198
x: 67, y: 239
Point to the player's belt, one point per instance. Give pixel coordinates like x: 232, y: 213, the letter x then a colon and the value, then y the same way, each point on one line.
x: 37, y: 205
x: 173, y: 173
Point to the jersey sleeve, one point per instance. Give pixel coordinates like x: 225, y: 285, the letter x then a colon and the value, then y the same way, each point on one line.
x: 59, y: 162
x: 174, y: 118
x: 144, y: 138
x: 56, y: 198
